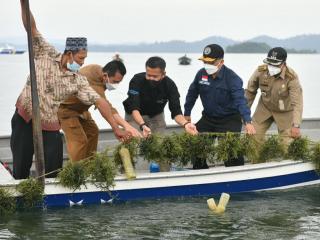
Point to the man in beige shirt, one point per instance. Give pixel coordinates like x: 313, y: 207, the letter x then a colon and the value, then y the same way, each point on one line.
x: 57, y: 79
x: 281, y: 98
x: 80, y: 130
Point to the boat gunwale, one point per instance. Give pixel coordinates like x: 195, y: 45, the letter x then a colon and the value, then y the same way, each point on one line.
x: 191, y: 173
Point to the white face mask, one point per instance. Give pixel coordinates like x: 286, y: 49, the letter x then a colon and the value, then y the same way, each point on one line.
x: 273, y: 70
x: 112, y: 86
x: 210, y: 69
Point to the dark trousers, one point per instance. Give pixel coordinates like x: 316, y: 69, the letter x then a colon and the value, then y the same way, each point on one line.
x: 231, y: 123
x: 21, y: 144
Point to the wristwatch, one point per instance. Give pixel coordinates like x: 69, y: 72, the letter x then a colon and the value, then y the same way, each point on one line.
x: 184, y: 125
x: 141, y: 126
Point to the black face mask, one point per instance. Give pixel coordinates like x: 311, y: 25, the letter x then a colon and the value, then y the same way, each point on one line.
x: 153, y: 83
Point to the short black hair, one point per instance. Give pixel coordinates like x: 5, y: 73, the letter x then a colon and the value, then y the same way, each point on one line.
x: 156, y: 62
x: 72, y: 51
x: 113, y: 67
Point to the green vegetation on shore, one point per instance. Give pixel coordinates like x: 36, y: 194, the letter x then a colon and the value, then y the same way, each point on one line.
x: 256, y: 47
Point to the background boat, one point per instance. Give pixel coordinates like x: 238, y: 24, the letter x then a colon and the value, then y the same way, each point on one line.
x: 10, y: 50
x: 184, y: 60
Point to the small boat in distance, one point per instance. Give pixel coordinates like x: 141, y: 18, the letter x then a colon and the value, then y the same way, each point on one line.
x: 10, y: 50
x: 117, y: 57
x: 184, y: 60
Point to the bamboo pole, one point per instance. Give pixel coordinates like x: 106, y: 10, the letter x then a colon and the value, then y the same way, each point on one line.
x: 36, y: 119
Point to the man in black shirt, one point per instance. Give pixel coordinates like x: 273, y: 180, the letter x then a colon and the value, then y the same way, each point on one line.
x: 148, y: 94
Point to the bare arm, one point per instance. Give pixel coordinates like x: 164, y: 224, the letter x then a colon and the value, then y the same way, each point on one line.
x: 180, y: 120
x: 134, y: 132
x: 188, y: 126
x: 139, y: 120
x: 137, y: 117
x: 34, y: 30
x: 106, y: 113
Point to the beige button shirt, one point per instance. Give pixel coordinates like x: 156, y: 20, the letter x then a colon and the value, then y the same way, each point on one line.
x: 54, y: 86
x: 281, y: 97
x: 73, y: 107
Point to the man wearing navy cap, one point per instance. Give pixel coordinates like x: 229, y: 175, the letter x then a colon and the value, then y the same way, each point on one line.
x: 57, y: 79
x: 281, y: 99
x: 222, y: 97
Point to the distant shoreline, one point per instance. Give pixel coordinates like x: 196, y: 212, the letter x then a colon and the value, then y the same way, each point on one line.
x: 301, y: 44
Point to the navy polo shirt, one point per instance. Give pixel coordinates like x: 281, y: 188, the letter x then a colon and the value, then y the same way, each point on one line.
x: 221, y: 97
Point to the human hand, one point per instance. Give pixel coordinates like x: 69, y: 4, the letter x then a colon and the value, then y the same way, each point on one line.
x: 295, y: 132
x: 249, y: 129
x: 134, y: 132
x: 122, y: 135
x: 146, y: 131
x: 191, y: 128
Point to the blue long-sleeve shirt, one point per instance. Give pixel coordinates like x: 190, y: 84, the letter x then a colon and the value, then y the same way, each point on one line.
x: 221, y: 97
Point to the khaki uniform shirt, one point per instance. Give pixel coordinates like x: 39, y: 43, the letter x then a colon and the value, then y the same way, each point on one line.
x: 281, y: 97
x: 73, y: 107
x: 54, y: 86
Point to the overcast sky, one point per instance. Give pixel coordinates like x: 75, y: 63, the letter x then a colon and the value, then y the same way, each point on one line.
x: 123, y: 21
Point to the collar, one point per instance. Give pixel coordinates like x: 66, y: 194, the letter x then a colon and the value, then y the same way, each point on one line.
x: 66, y: 73
x: 58, y: 58
x: 283, y: 72
x: 221, y: 72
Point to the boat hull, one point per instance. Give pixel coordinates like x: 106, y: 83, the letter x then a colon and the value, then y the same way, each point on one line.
x: 248, y: 178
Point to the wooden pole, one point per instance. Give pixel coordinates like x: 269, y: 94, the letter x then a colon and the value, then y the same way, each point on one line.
x: 36, y: 119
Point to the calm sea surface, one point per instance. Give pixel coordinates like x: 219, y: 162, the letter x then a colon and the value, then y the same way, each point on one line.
x: 14, y: 70
x: 291, y: 214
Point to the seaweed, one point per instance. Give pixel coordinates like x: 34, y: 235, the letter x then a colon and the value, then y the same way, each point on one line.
x: 31, y: 192
x: 73, y: 175
x: 7, y: 202
x: 299, y: 149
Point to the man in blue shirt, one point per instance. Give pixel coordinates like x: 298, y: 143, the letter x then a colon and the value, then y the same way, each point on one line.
x: 222, y: 97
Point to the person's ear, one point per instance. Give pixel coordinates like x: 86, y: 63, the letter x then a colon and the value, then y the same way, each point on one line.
x: 70, y: 57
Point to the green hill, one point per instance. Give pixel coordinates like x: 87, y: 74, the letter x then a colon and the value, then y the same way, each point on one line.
x: 257, y: 47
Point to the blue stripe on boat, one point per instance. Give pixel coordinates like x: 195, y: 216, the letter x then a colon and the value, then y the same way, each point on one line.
x: 187, y: 190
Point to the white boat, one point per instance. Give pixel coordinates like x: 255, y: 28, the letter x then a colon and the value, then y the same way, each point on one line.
x: 215, y: 180
x: 10, y: 50
x: 247, y: 178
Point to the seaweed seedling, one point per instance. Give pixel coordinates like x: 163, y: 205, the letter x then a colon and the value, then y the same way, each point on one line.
x: 299, y: 149
x: 31, y: 192
x: 73, y: 175
x: 7, y: 202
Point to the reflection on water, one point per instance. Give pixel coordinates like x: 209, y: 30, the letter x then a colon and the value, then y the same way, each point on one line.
x: 290, y: 214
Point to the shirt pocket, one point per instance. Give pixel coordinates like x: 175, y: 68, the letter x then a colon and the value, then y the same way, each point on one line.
x: 283, y: 92
x: 204, y: 89
x: 265, y: 89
